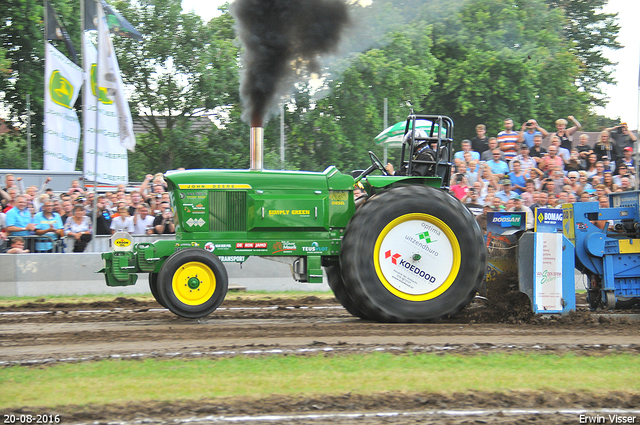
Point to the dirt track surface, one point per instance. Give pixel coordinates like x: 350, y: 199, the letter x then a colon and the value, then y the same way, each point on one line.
x: 44, y: 333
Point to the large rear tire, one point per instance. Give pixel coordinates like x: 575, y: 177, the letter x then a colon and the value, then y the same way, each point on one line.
x: 412, y: 254
x: 153, y: 286
x: 192, y: 283
x: 337, y: 285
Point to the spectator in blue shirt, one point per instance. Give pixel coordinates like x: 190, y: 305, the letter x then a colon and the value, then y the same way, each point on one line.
x: 498, y: 167
x: 528, y: 130
x: 19, y: 218
x: 466, y: 147
x: 48, y: 223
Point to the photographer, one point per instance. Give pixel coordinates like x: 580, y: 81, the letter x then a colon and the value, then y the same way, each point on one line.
x: 528, y: 130
x: 163, y: 223
x: 623, y: 137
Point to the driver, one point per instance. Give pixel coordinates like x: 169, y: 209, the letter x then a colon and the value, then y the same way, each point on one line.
x: 422, y: 151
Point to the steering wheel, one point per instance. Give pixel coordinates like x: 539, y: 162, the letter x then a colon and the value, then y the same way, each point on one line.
x: 375, y: 161
x: 376, y: 164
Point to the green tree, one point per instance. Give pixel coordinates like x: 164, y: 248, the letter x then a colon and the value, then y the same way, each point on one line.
x: 504, y: 58
x: 176, y: 78
x: 21, y: 38
x: 590, y: 31
x: 339, y: 129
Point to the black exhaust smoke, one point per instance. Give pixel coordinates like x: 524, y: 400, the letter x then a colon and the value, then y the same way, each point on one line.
x: 282, y: 39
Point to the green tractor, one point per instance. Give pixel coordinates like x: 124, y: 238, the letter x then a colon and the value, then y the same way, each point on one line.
x: 410, y: 252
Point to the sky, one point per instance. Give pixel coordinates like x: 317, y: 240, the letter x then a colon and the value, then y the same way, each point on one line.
x: 624, y: 97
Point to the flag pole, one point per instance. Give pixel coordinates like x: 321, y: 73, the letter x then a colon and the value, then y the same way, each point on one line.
x: 95, y: 150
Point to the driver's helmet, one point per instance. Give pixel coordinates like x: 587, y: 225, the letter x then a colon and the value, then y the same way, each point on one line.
x: 420, y: 133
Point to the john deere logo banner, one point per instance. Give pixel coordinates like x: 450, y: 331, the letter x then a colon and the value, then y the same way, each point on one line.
x: 112, y: 164
x: 63, y: 80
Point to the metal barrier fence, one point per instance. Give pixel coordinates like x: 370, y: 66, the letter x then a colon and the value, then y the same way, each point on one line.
x: 39, y: 244
x: 100, y: 243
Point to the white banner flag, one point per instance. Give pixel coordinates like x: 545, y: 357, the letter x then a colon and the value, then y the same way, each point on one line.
x: 63, y: 80
x: 110, y: 79
x: 113, y: 167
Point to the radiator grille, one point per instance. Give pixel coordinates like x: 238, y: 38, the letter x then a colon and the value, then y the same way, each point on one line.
x: 228, y: 211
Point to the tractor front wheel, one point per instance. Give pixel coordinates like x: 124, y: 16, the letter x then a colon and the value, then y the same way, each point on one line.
x: 192, y: 283
x: 412, y: 254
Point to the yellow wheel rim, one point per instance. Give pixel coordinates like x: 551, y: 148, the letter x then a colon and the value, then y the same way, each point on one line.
x: 417, y: 257
x: 194, y: 283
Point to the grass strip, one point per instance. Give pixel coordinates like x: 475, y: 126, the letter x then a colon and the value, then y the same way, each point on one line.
x: 116, y: 381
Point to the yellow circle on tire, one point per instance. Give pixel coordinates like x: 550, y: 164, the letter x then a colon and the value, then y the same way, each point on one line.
x: 194, y: 283
x: 408, y: 247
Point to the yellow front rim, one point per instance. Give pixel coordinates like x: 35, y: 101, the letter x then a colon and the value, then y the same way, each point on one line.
x: 454, y: 264
x: 194, y: 283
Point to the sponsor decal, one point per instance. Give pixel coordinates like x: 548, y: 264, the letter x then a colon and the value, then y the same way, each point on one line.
x: 581, y: 226
x: 122, y: 242
x: 198, y: 207
x: 315, y: 247
x: 411, y: 267
x: 187, y: 209
x: 214, y: 186
x: 182, y: 195
x: 424, y: 246
x: 289, y: 212
x: 232, y: 258
x: 425, y: 236
x: 550, y: 217
x: 394, y: 258
x: 338, y: 198
x: 251, y: 245
x: 513, y: 220
x: 188, y: 244
x: 547, y: 276
x: 223, y: 246
x: 209, y: 246
x: 284, y: 246
x: 196, y: 222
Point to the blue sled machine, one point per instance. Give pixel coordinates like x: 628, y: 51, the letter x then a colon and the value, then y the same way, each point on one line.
x: 610, y: 257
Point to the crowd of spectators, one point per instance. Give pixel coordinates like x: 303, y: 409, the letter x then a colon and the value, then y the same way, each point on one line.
x: 514, y: 172
x: 39, y: 219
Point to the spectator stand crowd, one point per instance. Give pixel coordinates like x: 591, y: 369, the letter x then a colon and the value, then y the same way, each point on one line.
x: 514, y: 172
x: 36, y: 219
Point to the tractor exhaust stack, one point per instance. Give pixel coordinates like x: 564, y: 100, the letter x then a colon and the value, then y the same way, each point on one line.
x: 256, y: 139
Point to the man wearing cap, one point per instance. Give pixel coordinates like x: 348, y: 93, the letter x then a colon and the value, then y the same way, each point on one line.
x: 627, y: 159
x: 506, y: 193
x: 623, y: 137
x: 518, y: 206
